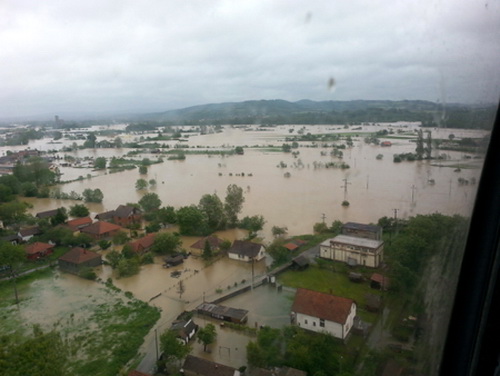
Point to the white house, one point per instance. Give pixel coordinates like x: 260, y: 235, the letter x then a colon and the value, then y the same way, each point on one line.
x: 322, y: 312
x: 246, y: 251
x: 353, y: 250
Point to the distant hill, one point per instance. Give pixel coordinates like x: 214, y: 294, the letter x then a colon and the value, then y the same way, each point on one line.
x: 270, y: 112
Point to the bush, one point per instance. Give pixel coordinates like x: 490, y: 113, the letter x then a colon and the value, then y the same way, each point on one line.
x: 88, y: 273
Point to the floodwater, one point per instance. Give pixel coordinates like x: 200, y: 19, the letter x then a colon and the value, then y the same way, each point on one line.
x: 374, y: 187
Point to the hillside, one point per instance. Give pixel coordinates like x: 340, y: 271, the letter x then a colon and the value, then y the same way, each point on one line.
x: 270, y: 112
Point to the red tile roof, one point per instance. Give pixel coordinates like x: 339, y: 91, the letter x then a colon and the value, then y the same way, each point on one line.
x: 206, y: 367
x: 138, y: 373
x: 321, y: 305
x: 214, y: 242
x: 78, y: 222
x: 291, y: 246
x: 143, y: 243
x: 79, y: 255
x: 100, y: 228
x: 37, y: 247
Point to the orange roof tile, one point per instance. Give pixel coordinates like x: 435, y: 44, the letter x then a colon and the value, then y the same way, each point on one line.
x: 100, y: 228
x: 37, y: 247
x: 79, y: 255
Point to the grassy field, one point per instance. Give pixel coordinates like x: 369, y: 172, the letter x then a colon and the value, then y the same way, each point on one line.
x: 102, y: 327
x: 332, y: 281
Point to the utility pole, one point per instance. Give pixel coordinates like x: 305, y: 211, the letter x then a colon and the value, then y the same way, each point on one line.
x: 323, y: 217
x: 413, y: 193
x: 156, y: 343
x: 346, y: 182
x: 396, y: 218
x: 253, y: 262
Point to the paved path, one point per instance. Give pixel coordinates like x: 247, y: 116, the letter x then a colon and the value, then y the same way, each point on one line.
x: 26, y: 272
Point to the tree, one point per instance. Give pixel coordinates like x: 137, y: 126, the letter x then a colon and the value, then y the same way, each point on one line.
x: 336, y: 227
x: 166, y: 243
x: 278, y: 252
x: 233, y: 203
x: 191, y: 220
x: 113, y: 258
x: 79, y: 210
x: 6, y: 193
x: 13, y: 212
x: 150, y: 202
x: 120, y: 237
x: 141, y: 184
x: 253, y: 224
x: 278, y: 231
x: 286, y: 148
x: 172, y: 348
x: 100, y: 163
x: 239, y: 150
x: 166, y: 215
x: 23, y: 358
x: 419, y: 150
x: 320, y: 228
x: 93, y: 195
x: 212, y: 207
x: 207, y: 335
x: 207, y: 251
x: 11, y: 256
x: 118, y: 142
x: 428, y: 146
x: 90, y: 141
x: 127, y: 267
x: 59, y: 218
x: 143, y: 170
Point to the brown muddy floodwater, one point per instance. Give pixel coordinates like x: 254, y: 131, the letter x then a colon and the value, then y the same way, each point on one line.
x: 375, y: 187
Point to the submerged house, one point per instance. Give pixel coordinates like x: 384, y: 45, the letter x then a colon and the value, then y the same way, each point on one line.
x: 101, y: 230
x: 185, y: 329
x: 246, y: 251
x: 220, y: 312
x: 144, y: 244
x: 77, y: 259
x: 320, y: 312
x: 212, y: 240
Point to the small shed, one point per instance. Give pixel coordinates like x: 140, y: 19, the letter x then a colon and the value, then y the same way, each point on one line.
x: 185, y: 329
x: 221, y: 312
x: 379, y: 282
x: 300, y: 263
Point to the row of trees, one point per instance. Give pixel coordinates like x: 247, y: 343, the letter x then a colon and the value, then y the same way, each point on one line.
x: 211, y: 214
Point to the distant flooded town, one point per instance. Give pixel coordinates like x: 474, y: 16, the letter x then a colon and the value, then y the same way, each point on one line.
x: 253, y: 249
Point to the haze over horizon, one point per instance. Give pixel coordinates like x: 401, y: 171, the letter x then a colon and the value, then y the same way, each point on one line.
x: 130, y: 57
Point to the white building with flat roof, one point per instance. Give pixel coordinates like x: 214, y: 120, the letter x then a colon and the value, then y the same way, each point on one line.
x: 353, y: 250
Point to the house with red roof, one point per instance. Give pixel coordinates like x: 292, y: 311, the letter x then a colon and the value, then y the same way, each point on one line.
x: 101, y: 230
x: 77, y: 259
x: 78, y: 223
x: 212, y: 240
x: 320, y: 312
x: 144, y: 244
x: 38, y: 250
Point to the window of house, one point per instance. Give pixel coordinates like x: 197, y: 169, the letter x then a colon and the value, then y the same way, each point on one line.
x: 322, y: 323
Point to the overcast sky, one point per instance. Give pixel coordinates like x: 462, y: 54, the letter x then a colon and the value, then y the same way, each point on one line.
x: 68, y: 56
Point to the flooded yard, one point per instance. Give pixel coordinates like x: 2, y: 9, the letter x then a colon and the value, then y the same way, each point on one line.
x: 266, y: 305
x: 101, y: 327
